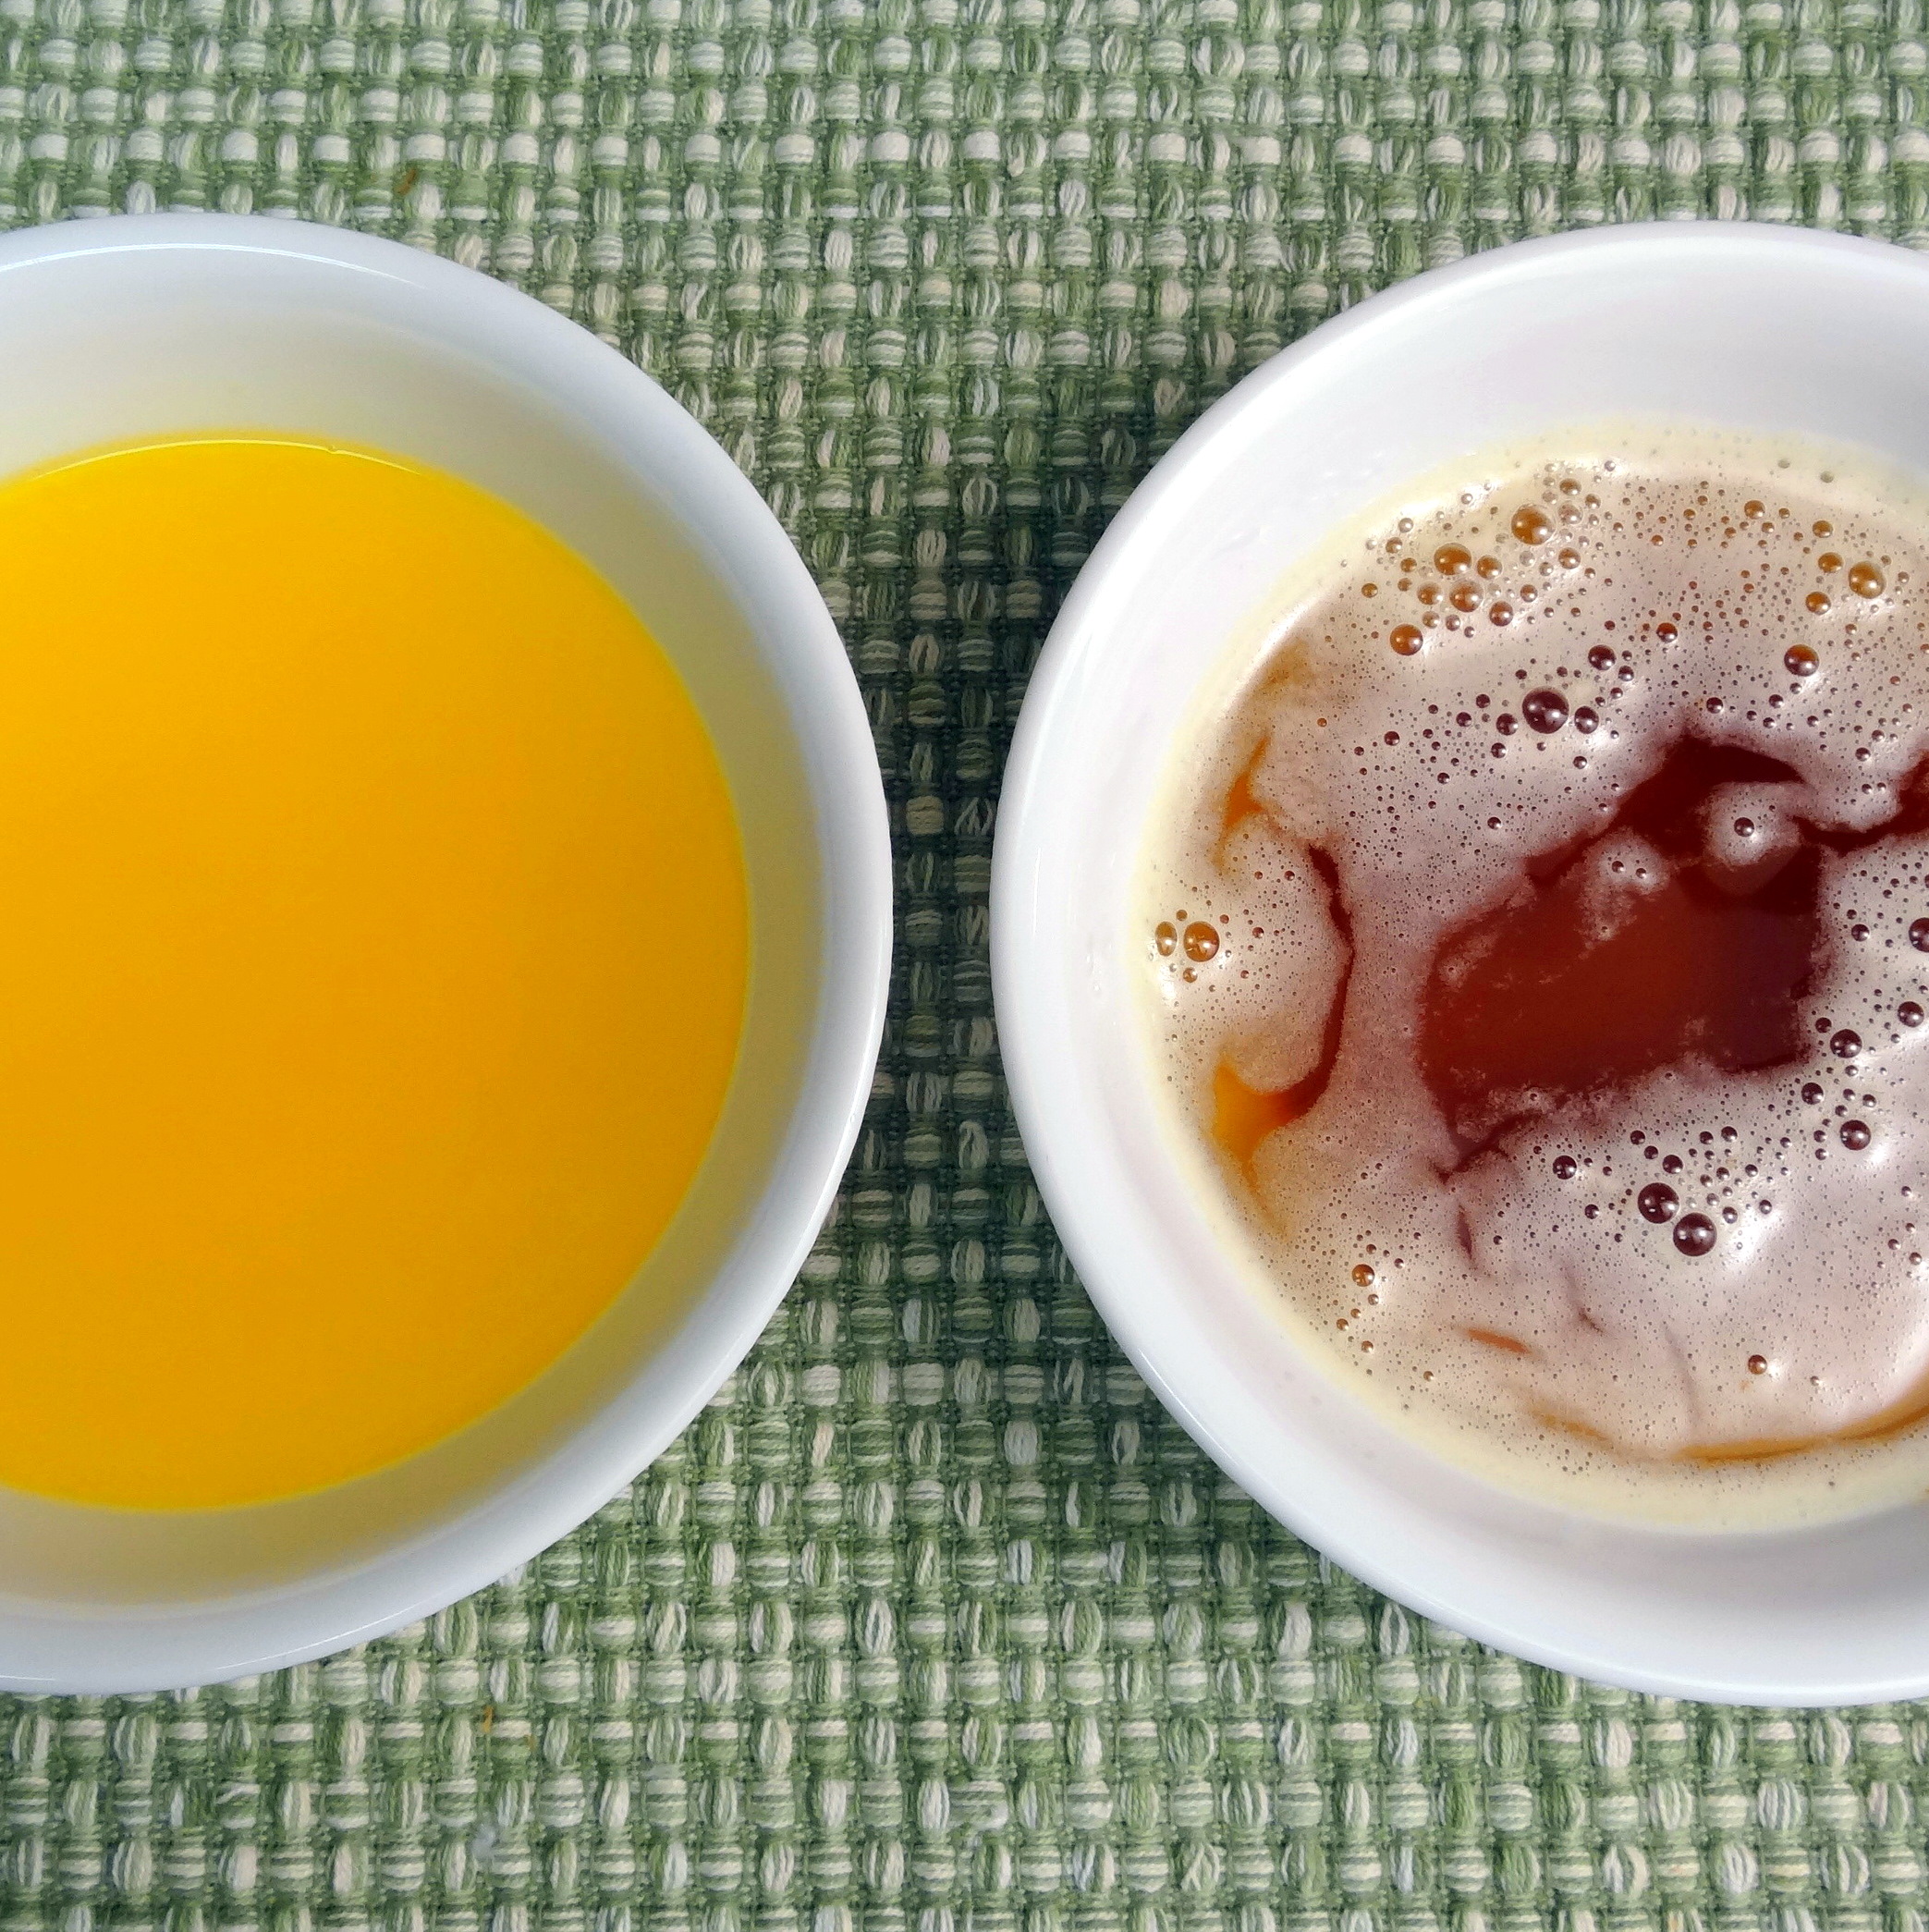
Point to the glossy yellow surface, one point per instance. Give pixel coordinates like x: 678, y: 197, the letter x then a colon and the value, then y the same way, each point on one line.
x: 373, y: 956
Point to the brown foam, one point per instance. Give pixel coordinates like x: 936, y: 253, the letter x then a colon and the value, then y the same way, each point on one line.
x: 1488, y: 901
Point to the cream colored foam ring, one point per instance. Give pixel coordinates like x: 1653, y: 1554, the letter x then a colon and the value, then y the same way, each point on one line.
x: 112, y: 330
x: 1631, y: 324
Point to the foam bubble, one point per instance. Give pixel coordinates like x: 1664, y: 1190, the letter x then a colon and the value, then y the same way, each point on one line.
x: 1565, y: 862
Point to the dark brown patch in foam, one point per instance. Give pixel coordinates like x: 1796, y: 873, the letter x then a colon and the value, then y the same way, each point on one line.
x: 1244, y: 1116
x: 1555, y: 996
x: 1558, y: 993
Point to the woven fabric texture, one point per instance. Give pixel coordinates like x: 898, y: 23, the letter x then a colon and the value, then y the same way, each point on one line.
x: 934, y: 1621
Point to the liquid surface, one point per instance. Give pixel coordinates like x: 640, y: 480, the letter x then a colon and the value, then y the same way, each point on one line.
x: 1540, y: 941
x: 373, y: 965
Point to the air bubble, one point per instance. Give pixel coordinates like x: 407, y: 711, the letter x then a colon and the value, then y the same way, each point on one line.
x: 1406, y: 638
x: 1856, y: 1135
x: 1845, y: 1045
x: 1164, y: 936
x: 1695, y: 1234
x: 1532, y: 525
x: 1601, y: 658
x: 1799, y: 661
x: 1362, y: 1276
x: 1201, y: 942
x: 1546, y: 711
x: 1450, y: 560
x: 1910, y: 1013
x: 1865, y: 580
x: 1657, y: 1201
x: 1566, y: 1167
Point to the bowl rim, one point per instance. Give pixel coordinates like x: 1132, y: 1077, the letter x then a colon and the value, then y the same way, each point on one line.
x: 163, y: 1647
x: 1040, y: 1066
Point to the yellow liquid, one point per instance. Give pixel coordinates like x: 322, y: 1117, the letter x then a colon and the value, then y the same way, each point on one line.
x: 373, y: 945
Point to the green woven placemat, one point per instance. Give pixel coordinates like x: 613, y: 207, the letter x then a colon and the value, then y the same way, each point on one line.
x: 934, y: 1621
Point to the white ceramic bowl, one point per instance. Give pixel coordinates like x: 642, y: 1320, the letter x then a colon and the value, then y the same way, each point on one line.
x: 1751, y: 327
x: 111, y: 330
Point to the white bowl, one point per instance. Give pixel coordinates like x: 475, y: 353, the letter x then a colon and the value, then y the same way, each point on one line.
x: 112, y: 330
x: 1751, y: 327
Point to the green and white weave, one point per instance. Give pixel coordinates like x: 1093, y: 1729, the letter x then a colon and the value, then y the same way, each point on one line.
x: 935, y: 1622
